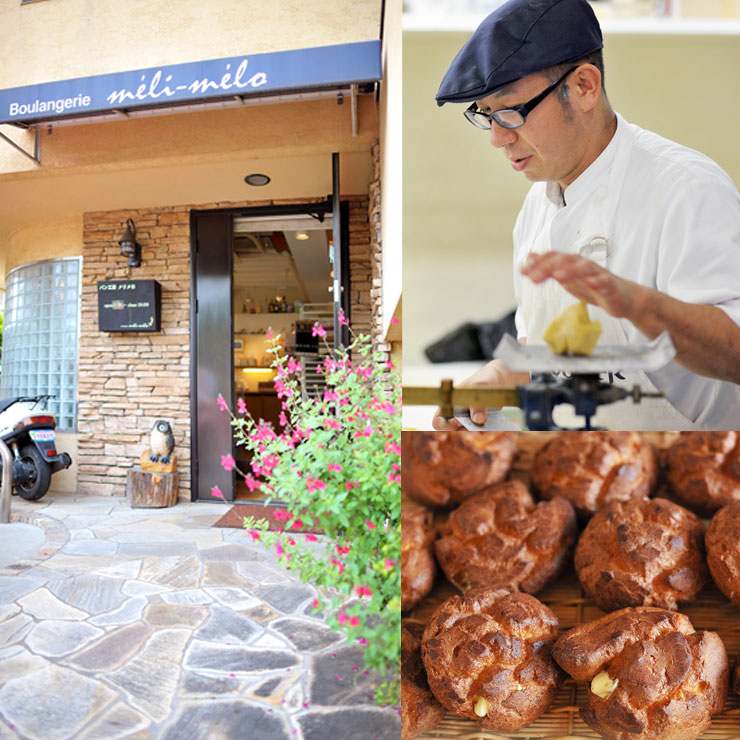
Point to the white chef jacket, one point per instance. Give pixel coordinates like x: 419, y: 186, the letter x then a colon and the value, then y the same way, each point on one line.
x: 670, y: 220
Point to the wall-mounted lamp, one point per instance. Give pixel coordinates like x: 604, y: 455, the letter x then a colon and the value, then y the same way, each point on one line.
x: 129, y: 246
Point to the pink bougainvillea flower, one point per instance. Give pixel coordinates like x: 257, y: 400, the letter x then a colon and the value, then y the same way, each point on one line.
x: 354, y: 622
x: 283, y: 419
x: 342, y: 619
x: 318, y: 330
x: 348, y: 485
x: 310, y: 538
x: 269, y: 334
x: 343, y: 550
x: 281, y: 514
x: 342, y: 318
x: 370, y: 525
x: 227, y: 462
x: 254, y: 535
x: 221, y: 401
x: 251, y: 482
x: 363, y: 641
x: 315, y: 603
x: 339, y: 565
x: 363, y: 591
x: 388, y: 564
x: 291, y: 541
x: 298, y: 524
x: 279, y: 550
x: 331, y: 396
x: 241, y: 407
x: 332, y: 466
x: 217, y: 492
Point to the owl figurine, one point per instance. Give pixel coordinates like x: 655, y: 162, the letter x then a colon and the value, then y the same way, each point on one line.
x: 161, y: 442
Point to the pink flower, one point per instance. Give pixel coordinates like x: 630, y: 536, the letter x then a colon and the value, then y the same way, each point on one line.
x: 332, y: 466
x: 388, y: 564
x: 354, y: 621
x: 221, y: 401
x: 348, y: 486
x: 331, y: 396
x: 241, y: 407
x: 217, y: 492
x: 370, y: 525
x: 251, y: 482
x: 343, y: 550
x: 291, y: 541
x: 339, y: 565
x: 342, y: 619
x: 394, y: 320
x: 280, y: 514
x: 227, y: 462
x: 254, y: 535
x: 298, y: 524
x: 318, y: 330
x: 363, y: 641
x: 283, y: 419
x: 314, y: 484
x: 315, y: 603
x: 363, y: 591
x: 310, y: 538
x: 342, y: 318
x: 279, y: 550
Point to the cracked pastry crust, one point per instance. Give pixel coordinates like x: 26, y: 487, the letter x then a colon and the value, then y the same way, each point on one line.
x: 499, y: 538
x: 663, y: 679
x: 591, y: 469
x: 704, y: 470
x: 487, y: 656
x: 646, y: 552
x: 440, y: 469
x: 417, y: 557
x: 420, y: 711
x: 723, y: 551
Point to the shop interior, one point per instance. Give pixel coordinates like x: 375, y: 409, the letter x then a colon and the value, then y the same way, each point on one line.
x: 282, y: 283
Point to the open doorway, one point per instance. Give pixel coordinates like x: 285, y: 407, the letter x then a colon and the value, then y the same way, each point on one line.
x: 283, y: 283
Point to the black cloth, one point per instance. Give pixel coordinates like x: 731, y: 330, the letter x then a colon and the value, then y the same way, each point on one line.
x: 519, y: 38
x: 471, y: 341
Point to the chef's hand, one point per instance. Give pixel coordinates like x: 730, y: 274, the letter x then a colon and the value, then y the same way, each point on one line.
x: 584, y: 279
x: 495, y: 373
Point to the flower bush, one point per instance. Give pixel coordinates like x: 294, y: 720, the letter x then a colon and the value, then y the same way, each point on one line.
x: 336, y: 467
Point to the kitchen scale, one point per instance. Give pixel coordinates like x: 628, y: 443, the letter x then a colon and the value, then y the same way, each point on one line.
x: 556, y: 379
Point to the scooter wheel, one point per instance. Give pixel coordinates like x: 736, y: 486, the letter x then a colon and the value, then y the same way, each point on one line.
x: 38, y: 485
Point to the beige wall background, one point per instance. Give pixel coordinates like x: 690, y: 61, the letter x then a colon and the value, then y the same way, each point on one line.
x: 461, y: 197
x: 76, y: 38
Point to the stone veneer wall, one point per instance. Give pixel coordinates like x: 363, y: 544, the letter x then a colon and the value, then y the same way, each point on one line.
x: 126, y: 381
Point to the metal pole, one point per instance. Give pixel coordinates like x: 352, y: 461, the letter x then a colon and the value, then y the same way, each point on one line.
x: 337, y: 233
x: 7, y: 485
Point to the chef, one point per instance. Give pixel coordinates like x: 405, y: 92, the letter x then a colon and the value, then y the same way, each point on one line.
x: 643, y: 229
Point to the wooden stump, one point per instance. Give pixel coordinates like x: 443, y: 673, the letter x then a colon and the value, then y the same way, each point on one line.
x: 146, y: 490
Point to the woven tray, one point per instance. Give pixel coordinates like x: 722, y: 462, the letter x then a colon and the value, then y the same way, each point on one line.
x: 561, y: 722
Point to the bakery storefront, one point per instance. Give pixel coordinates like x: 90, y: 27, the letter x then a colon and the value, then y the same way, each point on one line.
x: 165, y: 205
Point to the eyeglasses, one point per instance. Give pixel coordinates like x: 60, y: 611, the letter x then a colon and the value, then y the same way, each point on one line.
x: 510, y: 117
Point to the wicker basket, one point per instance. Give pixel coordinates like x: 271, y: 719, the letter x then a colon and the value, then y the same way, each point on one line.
x: 565, y: 597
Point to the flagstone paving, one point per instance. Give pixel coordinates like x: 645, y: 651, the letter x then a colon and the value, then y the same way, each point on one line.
x: 151, y: 624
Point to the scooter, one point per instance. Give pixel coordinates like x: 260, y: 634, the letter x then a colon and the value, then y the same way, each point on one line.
x: 28, y: 430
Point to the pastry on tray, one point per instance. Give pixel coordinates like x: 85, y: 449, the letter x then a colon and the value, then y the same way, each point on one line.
x: 723, y: 551
x: 651, y: 675
x: 647, y: 552
x: 704, y: 470
x: 440, y: 469
x: 499, y: 538
x: 420, y: 711
x: 487, y: 656
x: 417, y: 558
x: 591, y: 469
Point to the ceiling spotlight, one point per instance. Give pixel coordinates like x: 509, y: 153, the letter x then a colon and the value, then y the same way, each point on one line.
x: 256, y: 179
x: 301, y: 236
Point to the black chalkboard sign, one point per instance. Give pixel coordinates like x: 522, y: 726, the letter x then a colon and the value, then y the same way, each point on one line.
x: 129, y: 305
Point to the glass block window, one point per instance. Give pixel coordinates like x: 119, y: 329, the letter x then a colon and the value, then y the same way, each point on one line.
x: 41, y: 335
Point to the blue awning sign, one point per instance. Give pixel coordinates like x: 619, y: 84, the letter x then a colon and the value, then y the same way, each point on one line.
x: 193, y: 81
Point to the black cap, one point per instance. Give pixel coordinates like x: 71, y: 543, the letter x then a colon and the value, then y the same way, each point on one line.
x: 519, y: 38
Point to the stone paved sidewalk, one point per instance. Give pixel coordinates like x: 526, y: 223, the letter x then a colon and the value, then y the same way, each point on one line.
x: 149, y: 623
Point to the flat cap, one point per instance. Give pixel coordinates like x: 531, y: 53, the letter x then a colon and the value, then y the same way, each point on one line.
x: 519, y: 38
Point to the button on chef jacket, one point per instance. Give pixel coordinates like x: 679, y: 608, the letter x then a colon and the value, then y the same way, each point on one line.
x: 659, y: 214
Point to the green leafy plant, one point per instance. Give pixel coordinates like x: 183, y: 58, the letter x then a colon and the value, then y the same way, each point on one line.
x: 336, y: 467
